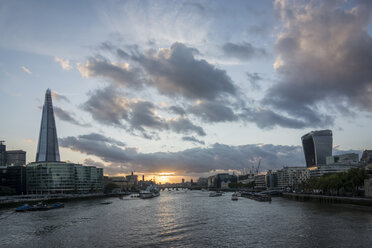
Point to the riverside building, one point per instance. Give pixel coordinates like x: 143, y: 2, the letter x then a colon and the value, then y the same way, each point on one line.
x: 11, y: 158
x: 13, y: 170
x: 292, y: 177
x: 63, y: 178
x: 48, y: 174
x: 317, y: 146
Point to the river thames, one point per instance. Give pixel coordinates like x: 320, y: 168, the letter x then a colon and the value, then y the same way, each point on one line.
x: 188, y: 219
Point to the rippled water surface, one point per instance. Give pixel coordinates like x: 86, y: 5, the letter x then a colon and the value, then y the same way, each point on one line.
x: 188, y: 219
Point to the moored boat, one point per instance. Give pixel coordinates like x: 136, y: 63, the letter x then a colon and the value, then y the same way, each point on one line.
x: 23, y: 208
x: 150, y: 192
x: 214, y: 194
x: 39, y: 207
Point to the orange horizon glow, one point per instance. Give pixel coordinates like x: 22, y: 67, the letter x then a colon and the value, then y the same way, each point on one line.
x: 161, y: 177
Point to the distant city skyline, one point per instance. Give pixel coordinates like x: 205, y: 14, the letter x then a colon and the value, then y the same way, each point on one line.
x: 182, y: 89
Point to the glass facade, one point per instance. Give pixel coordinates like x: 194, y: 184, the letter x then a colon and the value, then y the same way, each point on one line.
x: 2, y: 154
x: 60, y: 177
x: 317, y: 146
x: 47, y: 149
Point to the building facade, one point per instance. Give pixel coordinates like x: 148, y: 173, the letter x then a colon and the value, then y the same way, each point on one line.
x: 221, y: 180
x: 260, y: 181
x: 47, y: 149
x: 348, y: 158
x: 292, y: 177
x: 11, y: 158
x: 330, y: 169
x: 63, y: 178
x: 15, y: 158
x: 317, y: 145
x: 272, y: 179
x: 2, y: 154
x: 366, y: 157
x: 368, y: 188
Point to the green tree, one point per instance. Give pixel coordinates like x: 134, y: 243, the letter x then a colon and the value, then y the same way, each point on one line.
x: 6, y: 191
x: 110, y: 187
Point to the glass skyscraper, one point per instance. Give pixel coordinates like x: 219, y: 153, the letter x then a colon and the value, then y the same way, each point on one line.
x: 48, y: 174
x: 47, y: 149
x: 317, y: 146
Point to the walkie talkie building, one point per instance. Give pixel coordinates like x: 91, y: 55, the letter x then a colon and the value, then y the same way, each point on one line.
x: 317, y: 146
x: 47, y: 149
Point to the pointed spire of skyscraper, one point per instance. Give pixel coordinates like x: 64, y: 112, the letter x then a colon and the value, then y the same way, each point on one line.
x: 47, y: 149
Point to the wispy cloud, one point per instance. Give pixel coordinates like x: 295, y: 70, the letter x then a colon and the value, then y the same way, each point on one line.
x: 59, y: 97
x: 65, y: 63
x: 25, y: 69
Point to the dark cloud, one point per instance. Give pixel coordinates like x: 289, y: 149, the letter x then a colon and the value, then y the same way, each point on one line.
x: 242, y: 51
x: 110, y: 107
x: 213, y: 112
x: 177, y: 110
x: 121, y: 74
x: 176, y: 72
x: 193, y: 139
x: 185, y: 126
x: 91, y: 162
x: 142, y: 114
x: 106, y: 151
x: 196, y: 160
x: 100, y: 137
x: 64, y: 115
x: 267, y: 119
x: 324, y: 58
x: 106, y: 106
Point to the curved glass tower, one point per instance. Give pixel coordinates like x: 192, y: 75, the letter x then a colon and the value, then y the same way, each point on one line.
x: 47, y: 149
x: 317, y: 146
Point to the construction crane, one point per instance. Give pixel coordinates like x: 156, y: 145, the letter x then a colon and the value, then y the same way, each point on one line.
x: 258, y: 166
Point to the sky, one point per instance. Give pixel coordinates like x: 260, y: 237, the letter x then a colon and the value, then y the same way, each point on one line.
x: 182, y: 89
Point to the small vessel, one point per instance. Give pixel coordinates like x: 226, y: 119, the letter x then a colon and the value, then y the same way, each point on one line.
x: 214, y: 194
x: 234, y: 198
x: 150, y: 192
x: 238, y: 194
x: 57, y: 205
x: 23, y: 208
x: 39, y: 207
x: 105, y: 203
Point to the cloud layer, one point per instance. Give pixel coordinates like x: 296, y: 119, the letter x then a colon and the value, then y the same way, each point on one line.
x: 324, y: 58
x: 196, y: 160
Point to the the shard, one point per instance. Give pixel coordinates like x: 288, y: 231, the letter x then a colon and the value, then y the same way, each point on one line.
x: 47, y: 149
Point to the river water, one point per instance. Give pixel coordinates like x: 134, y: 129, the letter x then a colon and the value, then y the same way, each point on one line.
x: 188, y: 219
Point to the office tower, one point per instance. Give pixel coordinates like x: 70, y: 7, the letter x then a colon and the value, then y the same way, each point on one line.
x: 2, y: 153
x: 47, y: 149
x: 317, y: 146
x: 15, y: 158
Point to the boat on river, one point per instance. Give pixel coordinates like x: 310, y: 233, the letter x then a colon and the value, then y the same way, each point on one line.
x: 150, y: 192
x: 257, y: 196
x: 214, y: 194
x: 39, y: 207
